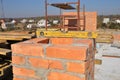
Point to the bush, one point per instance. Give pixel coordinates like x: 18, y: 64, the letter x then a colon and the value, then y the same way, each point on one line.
x: 114, y: 26
x: 103, y: 26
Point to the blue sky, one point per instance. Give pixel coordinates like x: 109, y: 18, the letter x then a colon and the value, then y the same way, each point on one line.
x: 26, y: 8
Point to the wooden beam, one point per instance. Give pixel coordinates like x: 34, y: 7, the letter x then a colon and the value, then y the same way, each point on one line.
x: 13, y: 36
x: 4, y: 67
x: 98, y: 61
x: 4, y: 51
x: 111, y: 56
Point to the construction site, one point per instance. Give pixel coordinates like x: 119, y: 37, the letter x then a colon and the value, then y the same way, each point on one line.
x: 73, y: 50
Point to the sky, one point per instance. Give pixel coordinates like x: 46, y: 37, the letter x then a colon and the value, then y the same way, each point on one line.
x: 33, y: 8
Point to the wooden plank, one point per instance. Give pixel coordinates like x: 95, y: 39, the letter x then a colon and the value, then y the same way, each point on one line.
x: 2, y: 65
x: 16, y: 32
x: 16, y: 35
x: 105, y: 32
x: 4, y: 68
x: 9, y: 38
x: 111, y: 56
x: 98, y: 61
x: 4, y: 51
x: 104, y: 37
x: 104, y: 41
x: 2, y: 41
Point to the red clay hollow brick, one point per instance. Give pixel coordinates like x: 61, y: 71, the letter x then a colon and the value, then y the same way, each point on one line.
x: 18, y: 60
x: 24, y: 72
x: 91, y: 20
x: 40, y: 40
x: 84, y: 41
x: 27, y: 49
x: 77, y: 67
x: 67, y: 52
x: 116, y: 37
x: 61, y: 41
x: 62, y: 76
x: 18, y: 79
x: 43, y: 63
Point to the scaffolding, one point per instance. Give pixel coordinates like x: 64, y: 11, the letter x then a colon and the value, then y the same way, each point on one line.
x: 68, y: 6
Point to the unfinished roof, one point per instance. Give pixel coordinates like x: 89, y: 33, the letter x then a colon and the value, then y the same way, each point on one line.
x: 63, y: 6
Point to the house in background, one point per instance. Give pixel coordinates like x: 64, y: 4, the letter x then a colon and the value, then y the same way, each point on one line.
x: 117, y: 21
x: 31, y: 21
x: 23, y: 20
x: 106, y: 20
x: 42, y: 23
x: 55, y: 22
x: 13, y: 21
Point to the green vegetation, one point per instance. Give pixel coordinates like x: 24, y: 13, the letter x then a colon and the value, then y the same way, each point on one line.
x: 111, y: 24
x: 114, y: 26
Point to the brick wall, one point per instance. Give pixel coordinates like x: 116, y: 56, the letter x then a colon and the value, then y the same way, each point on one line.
x: 116, y: 37
x: 53, y: 59
x: 91, y: 20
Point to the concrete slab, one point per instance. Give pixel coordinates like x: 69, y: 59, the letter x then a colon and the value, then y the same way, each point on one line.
x: 109, y: 70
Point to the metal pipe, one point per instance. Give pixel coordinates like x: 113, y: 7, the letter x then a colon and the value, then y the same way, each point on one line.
x: 84, y: 16
x: 46, y: 16
x: 65, y: 3
x: 78, y: 14
x: 60, y: 18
